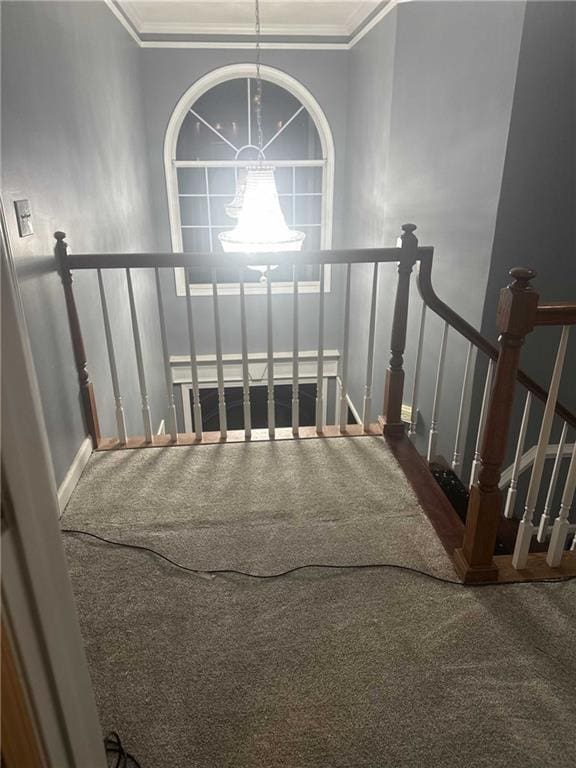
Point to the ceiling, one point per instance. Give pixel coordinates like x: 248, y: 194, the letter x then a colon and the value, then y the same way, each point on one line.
x: 221, y: 17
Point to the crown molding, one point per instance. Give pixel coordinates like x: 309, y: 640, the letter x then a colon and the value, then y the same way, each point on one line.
x: 171, y: 35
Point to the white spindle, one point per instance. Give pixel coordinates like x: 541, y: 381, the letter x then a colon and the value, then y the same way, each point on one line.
x: 345, y: 342
x: 416, y: 384
x: 561, y: 526
x: 433, y: 435
x: 481, y: 423
x: 172, y: 427
x: 120, y: 420
x: 295, y: 356
x: 526, y: 528
x: 146, y: 418
x: 193, y: 360
x: 545, y: 519
x: 219, y: 364
x: 245, y: 370
x: 320, y: 368
x: 370, y: 362
x: 513, y: 487
x: 463, y: 398
x: 270, y: 352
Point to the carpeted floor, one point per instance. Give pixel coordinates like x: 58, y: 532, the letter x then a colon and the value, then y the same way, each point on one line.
x: 260, y: 506
x: 351, y: 669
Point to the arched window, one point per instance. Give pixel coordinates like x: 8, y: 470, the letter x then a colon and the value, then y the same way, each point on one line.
x: 212, y: 135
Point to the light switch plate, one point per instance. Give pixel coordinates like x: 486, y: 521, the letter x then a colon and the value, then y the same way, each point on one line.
x: 24, y: 217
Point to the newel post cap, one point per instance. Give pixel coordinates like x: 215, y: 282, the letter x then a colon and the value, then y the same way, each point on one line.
x: 408, y: 239
x: 60, y: 235
x: 521, y: 277
x: 518, y: 304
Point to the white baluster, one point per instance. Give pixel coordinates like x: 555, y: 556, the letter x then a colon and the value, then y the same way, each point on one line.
x: 120, y: 420
x: 513, y: 487
x: 219, y: 364
x: 295, y: 356
x: 320, y: 368
x: 463, y: 399
x: 481, y: 423
x: 271, y: 416
x: 345, y: 342
x: 526, y: 528
x: 545, y: 519
x: 433, y: 435
x: 245, y: 370
x: 416, y: 384
x: 370, y: 363
x: 146, y: 418
x: 561, y: 526
x: 193, y: 360
x: 172, y: 427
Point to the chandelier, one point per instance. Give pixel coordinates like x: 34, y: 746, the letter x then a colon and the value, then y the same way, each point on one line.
x: 261, y: 226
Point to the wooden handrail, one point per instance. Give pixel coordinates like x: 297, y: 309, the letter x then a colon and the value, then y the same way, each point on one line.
x: 219, y: 260
x: 431, y: 300
x: 556, y: 314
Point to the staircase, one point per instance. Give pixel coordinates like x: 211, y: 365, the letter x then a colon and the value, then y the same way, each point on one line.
x: 545, y: 537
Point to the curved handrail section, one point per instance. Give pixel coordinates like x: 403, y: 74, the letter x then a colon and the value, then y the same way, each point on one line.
x: 430, y: 298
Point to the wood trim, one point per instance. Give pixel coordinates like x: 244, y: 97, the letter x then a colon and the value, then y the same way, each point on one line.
x: 74, y: 472
x: 218, y: 260
x: 445, y: 521
x: 238, y: 436
x: 536, y: 568
x: 21, y: 746
x: 556, y: 314
x: 431, y: 300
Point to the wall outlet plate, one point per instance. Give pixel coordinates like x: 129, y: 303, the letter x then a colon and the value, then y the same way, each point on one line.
x: 24, y: 217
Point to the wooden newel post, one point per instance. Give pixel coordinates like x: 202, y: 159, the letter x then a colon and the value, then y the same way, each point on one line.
x: 86, y: 388
x: 515, y: 319
x: 394, y: 384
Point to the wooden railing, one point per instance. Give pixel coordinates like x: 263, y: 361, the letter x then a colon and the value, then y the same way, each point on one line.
x: 406, y: 255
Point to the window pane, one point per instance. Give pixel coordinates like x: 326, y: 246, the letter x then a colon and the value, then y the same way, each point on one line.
x: 191, y: 181
x: 222, y: 181
x: 196, y: 240
x: 194, y: 210
x: 309, y: 179
x: 298, y: 141
x: 308, y: 210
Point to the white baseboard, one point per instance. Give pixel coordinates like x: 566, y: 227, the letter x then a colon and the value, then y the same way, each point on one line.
x: 74, y: 472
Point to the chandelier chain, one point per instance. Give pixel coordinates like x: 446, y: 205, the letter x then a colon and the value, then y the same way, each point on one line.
x: 258, y: 99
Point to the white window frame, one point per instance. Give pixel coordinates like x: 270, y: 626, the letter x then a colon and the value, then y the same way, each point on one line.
x: 210, y: 80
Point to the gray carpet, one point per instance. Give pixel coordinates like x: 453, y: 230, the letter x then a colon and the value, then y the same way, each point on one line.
x: 261, y: 506
x: 343, y: 669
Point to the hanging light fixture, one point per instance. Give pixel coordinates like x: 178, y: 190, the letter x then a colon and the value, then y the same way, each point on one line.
x: 261, y: 226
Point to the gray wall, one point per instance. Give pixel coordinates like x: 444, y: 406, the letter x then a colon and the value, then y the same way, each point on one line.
x: 537, y: 209
x: 426, y: 141
x: 167, y: 74
x: 73, y: 143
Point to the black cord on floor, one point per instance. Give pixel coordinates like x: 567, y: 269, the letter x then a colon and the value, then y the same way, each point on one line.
x: 114, y: 746
x: 366, y: 566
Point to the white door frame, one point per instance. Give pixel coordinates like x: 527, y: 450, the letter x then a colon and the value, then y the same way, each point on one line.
x: 37, y: 598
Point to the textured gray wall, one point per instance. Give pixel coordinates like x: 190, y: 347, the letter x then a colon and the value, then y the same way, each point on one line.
x: 167, y: 74
x: 426, y: 141
x: 73, y: 143
x: 537, y: 210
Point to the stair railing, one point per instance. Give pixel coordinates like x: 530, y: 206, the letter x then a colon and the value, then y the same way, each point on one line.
x: 406, y: 254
